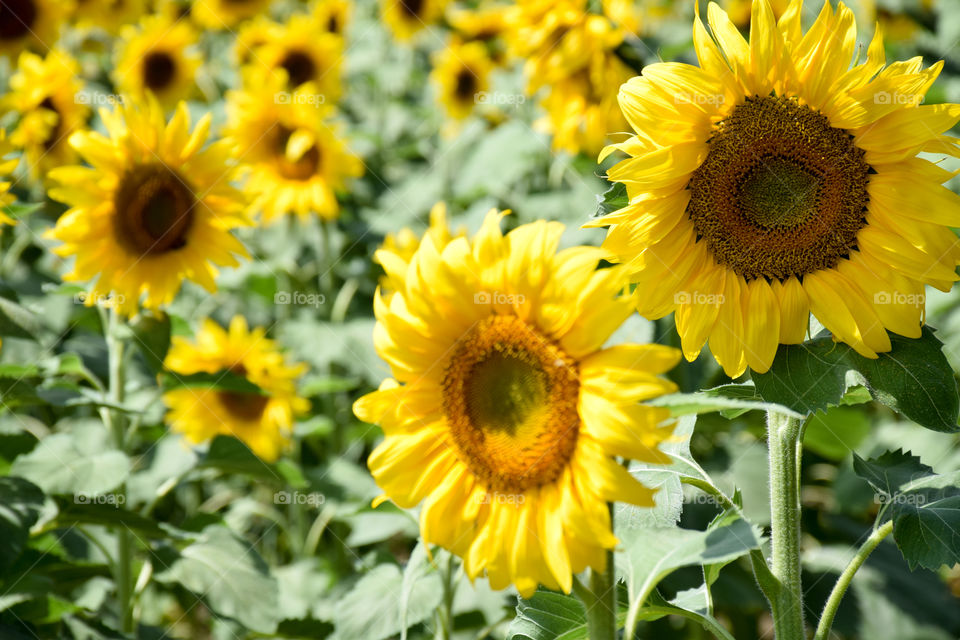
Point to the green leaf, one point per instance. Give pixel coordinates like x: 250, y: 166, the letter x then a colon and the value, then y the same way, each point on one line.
x: 233, y: 456
x: 926, y: 526
x: 420, y: 577
x: 80, y: 461
x: 377, y: 591
x: 152, y: 337
x: 106, y: 510
x: 549, y: 616
x: 16, y: 321
x: 21, y: 502
x: 837, y: 432
x: 729, y: 399
x: 613, y: 199
x: 222, y: 381
x: 892, y: 471
x: 913, y: 378
x: 18, y: 210
x: 230, y: 576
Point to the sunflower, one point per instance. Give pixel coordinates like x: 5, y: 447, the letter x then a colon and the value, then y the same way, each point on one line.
x: 261, y: 420
x: 225, y: 14
x: 158, y: 56
x: 506, y: 414
x: 109, y: 15
x: 333, y: 15
x: 154, y: 209
x: 486, y: 24
x: 30, y: 24
x: 7, y: 166
x: 306, y: 52
x: 252, y: 35
x: 295, y: 159
x: 398, y: 249
x: 776, y: 179
x: 45, y: 93
x: 406, y: 18
x: 462, y: 75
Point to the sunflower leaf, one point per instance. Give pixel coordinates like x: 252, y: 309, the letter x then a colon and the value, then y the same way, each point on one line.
x: 926, y: 526
x: 20, y: 504
x: 892, y: 471
x: 221, y: 381
x: 613, y: 199
x: 913, y: 378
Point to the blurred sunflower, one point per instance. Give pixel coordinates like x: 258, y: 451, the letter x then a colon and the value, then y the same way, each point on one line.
x: 295, y: 159
x: 263, y: 421
x: 486, y: 24
x: 45, y: 94
x: 30, y: 24
x: 158, y: 56
x: 252, y: 35
x: 775, y: 180
x: 7, y: 166
x: 405, y: 18
x: 225, y: 14
x: 506, y: 414
x: 461, y: 73
x: 156, y: 207
x: 333, y: 15
x: 398, y: 249
x: 109, y: 15
x: 306, y: 52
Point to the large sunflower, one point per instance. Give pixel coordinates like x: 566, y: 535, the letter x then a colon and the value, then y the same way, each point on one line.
x: 159, y: 55
x: 775, y: 180
x: 506, y: 414
x: 399, y: 248
x: 155, y: 208
x: 45, y: 94
x: 295, y: 158
x: 30, y: 24
x: 461, y: 73
x: 261, y: 420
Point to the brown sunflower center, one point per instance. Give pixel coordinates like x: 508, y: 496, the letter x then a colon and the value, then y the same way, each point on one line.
x: 781, y: 192
x: 16, y: 18
x: 299, y: 67
x: 242, y: 405
x: 302, y: 168
x: 412, y: 8
x: 158, y: 70
x: 466, y: 85
x: 154, y: 210
x: 510, y: 400
x: 333, y: 24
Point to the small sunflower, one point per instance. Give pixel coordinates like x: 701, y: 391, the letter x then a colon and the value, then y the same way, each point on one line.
x: 461, y: 73
x: 294, y: 156
x: 398, y: 249
x: 486, y: 24
x: 306, y: 52
x: 333, y: 15
x: 30, y: 24
x: 225, y: 14
x: 7, y: 166
x: 109, y: 15
x: 776, y: 179
x: 406, y: 18
x: 263, y: 421
x: 155, y: 208
x: 506, y: 414
x: 158, y: 56
x: 252, y: 35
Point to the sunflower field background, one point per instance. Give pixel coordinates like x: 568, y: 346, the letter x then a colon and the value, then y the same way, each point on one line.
x: 204, y: 204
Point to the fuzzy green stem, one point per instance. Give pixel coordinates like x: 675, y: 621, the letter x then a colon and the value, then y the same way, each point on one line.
x: 599, y: 601
x: 445, y: 613
x: 839, y: 589
x: 783, y: 435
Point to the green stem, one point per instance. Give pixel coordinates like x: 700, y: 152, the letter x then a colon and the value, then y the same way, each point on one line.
x: 839, y: 589
x: 325, y: 264
x: 783, y: 435
x: 118, y: 427
x: 445, y: 613
x: 599, y: 601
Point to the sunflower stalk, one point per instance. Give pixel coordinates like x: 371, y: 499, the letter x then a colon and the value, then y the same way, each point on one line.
x: 783, y: 435
x: 599, y: 599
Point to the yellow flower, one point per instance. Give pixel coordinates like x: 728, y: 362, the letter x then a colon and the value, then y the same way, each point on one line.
x: 155, y: 208
x: 295, y: 158
x: 406, y: 18
x: 45, y: 95
x: 398, y: 249
x: 506, y: 412
x: 109, y: 15
x: 775, y: 180
x: 306, y: 52
x: 461, y: 72
x: 159, y: 55
x: 7, y: 166
x: 483, y: 24
x: 225, y: 14
x: 30, y: 24
x: 333, y: 15
x: 263, y: 421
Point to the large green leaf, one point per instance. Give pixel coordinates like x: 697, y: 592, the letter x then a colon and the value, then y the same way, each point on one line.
x: 892, y: 471
x: 549, y: 616
x: 233, y: 456
x: 420, y: 577
x: 913, y: 378
x: 729, y: 399
x: 926, y: 526
x: 230, y: 576
x: 20, y: 504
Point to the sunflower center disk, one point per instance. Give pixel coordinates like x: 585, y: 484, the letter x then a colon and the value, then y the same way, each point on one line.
x: 412, y: 7
x: 158, y: 71
x: 781, y: 192
x: 304, y: 167
x: 510, y: 399
x: 466, y: 86
x: 154, y: 210
x: 16, y: 18
x: 299, y: 67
